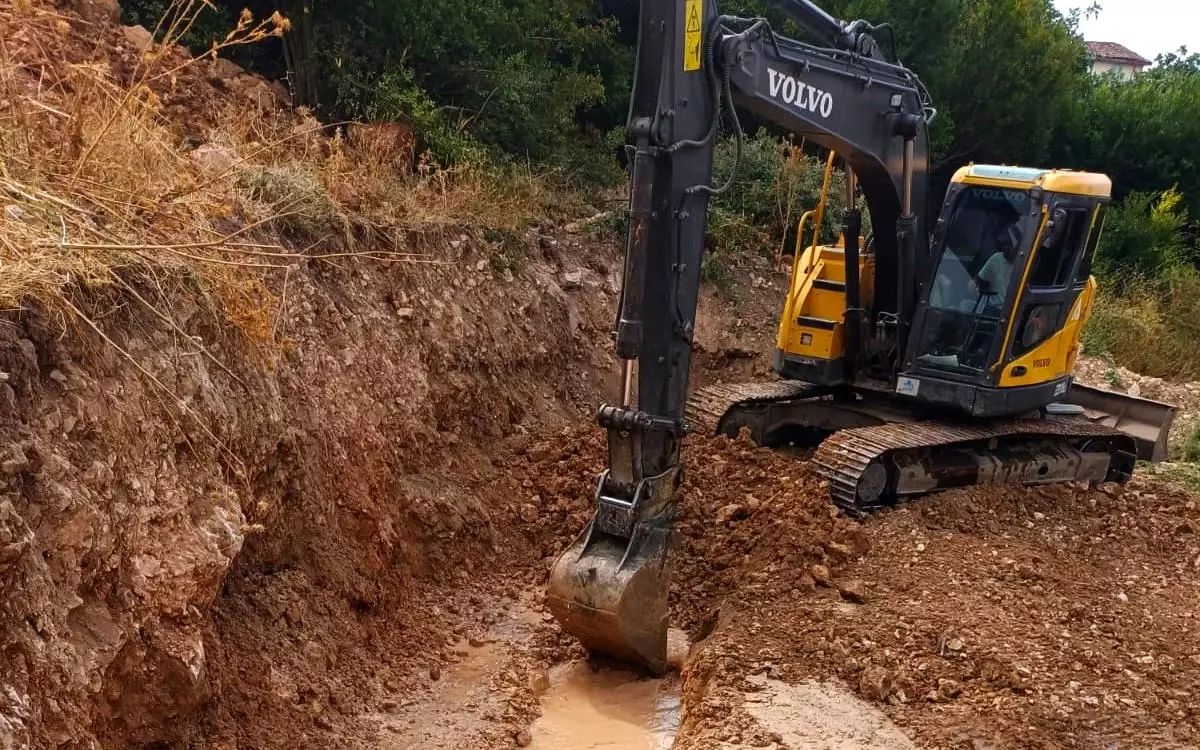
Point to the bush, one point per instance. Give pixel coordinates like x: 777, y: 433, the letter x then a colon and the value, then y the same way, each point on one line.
x: 776, y: 183
x: 1144, y: 236
x: 1150, y: 326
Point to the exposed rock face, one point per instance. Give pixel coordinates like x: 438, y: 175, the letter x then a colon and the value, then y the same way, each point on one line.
x: 120, y: 519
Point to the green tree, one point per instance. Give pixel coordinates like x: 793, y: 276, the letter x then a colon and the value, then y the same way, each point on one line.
x: 1144, y: 132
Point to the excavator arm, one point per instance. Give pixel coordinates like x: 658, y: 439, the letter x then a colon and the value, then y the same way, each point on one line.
x: 609, y: 588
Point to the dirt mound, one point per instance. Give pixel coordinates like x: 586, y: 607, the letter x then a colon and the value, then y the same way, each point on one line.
x: 1055, y: 617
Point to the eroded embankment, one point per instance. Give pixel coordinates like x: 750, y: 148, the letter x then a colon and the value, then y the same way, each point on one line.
x: 339, y: 481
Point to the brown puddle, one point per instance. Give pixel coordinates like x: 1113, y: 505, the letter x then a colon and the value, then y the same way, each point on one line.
x: 609, y: 708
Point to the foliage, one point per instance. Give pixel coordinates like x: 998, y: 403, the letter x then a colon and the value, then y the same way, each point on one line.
x: 1162, y: 312
x: 776, y: 183
x: 1144, y: 131
x: 1143, y: 235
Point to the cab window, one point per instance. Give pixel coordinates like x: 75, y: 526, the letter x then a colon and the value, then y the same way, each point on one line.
x: 1055, y: 258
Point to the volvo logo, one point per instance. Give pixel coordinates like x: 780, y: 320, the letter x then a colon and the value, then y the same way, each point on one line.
x: 799, y: 94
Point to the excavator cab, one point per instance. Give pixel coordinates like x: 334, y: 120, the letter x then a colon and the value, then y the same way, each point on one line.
x: 1000, y: 301
x: 997, y: 327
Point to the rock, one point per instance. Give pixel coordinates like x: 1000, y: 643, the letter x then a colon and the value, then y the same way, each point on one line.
x: 13, y: 212
x: 839, y: 552
x: 214, y: 159
x: 435, y: 673
x: 528, y: 513
x: 404, y: 313
x: 729, y: 513
x: 1122, y: 597
x: 572, y: 279
x: 853, y: 591
x: 259, y: 92
x: 224, y: 70
x: 948, y: 688
x: 98, y: 11
x: 539, y: 681
x: 522, y: 738
x: 57, y: 376
x: 15, y: 536
x: 875, y: 683
x: 820, y: 574
x: 141, y: 39
x: 1186, y: 526
x: 955, y: 645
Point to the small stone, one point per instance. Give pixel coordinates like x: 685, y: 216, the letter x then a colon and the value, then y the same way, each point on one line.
x: 1039, y: 516
x: 539, y: 681
x: 955, y: 644
x: 853, y: 591
x: 213, y: 158
x: 476, y: 642
x: 920, y: 546
x: 522, y: 738
x: 1091, y: 700
x: 58, y: 376
x: 875, y: 683
x: 948, y: 688
x: 435, y: 673
x: 1122, y: 597
x: 572, y: 279
x: 404, y: 313
x: 1074, y: 685
x: 529, y: 513
x: 141, y: 39
x: 13, y: 212
x: 821, y: 575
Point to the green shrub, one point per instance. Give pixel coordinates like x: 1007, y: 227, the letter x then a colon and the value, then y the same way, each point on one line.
x: 1150, y: 326
x: 776, y: 183
x: 1143, y: 235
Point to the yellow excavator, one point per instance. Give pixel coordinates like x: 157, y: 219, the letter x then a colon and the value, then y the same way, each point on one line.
x: 934, y: 352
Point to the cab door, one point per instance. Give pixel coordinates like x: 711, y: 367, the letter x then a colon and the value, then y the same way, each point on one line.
x: 1056, y: 294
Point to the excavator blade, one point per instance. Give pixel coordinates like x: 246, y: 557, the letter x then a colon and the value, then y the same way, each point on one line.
x: 611, y: 592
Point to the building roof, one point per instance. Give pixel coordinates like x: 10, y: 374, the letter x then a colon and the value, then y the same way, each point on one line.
x: 1113, y: 52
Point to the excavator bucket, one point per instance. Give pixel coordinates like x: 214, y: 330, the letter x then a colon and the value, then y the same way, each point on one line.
x: 611, y: 592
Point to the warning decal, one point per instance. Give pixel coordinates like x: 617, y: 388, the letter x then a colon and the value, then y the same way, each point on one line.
x: 692, y: 41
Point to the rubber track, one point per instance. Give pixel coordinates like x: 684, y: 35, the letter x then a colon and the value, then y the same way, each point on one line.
x: 706, y: 406
x: 844, y: 456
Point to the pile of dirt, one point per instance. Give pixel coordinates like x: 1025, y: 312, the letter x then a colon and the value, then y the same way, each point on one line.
x: 1055, y: 617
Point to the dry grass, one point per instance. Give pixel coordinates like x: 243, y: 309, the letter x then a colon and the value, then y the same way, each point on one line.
x: 1151, y: 328
x: 98, y: 190
x: 96, y: 182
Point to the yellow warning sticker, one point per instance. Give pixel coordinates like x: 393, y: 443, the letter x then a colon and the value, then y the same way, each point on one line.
x: 692, y: 37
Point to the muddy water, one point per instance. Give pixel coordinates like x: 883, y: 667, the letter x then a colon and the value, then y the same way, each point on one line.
x: 589, y: 708
x: 610, y: 708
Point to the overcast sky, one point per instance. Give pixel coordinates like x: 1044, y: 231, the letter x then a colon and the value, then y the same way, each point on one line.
x: 1147, y: 27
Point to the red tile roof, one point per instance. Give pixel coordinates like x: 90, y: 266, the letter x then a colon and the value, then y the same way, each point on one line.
x: 1113, y: 52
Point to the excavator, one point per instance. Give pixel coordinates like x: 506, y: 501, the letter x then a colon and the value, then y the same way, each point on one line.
x: 933, y: 352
